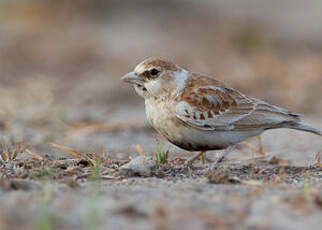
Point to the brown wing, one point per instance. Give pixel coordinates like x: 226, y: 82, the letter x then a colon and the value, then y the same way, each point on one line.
x: 215, y: 107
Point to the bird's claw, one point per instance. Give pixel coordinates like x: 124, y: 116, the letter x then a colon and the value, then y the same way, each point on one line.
x: 187, y: 164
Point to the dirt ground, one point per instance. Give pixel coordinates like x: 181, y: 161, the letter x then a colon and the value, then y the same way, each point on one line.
x: 69, y: 128
x: 92, y: 191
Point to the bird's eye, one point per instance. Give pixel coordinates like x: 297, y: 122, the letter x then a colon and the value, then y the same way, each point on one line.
x: 154, y: 72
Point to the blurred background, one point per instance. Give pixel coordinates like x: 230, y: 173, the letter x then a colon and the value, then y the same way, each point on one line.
x: 61, y: 62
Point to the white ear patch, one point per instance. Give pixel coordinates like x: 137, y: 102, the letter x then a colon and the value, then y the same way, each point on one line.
x: 180, y: 79
x: 154, y: 86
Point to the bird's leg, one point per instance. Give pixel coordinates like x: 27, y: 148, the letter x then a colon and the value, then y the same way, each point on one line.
x: 258, y: 150
x: 193, y: 158
x: 260, y: 145
x: 223, y: 156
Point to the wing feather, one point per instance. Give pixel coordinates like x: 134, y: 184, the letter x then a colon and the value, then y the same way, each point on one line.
x: 220, y: 108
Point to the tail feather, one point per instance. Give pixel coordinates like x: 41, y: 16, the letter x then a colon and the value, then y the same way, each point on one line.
x: 306, y: 128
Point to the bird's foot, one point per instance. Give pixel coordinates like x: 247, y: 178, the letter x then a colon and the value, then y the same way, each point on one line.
x: 218, y: 161
x: 189, y: 162
x: 187, y: 165
x: 222, y: 157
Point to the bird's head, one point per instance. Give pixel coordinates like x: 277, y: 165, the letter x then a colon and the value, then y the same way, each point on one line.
x: 157, y: 77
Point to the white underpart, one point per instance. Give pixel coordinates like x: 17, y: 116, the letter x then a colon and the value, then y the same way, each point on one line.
x: 180, y: 80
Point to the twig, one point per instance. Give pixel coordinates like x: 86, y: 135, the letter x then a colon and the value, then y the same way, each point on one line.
x: 5, y: 153
x: 139, y: 150
x: 248, y: 182
x: 317, y: 160
x: 108, y: 177
x: 68, y: 150
x: 65, y: 160
x: 34, y: 155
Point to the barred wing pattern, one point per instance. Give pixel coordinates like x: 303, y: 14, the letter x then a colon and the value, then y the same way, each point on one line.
x: 222, y: 108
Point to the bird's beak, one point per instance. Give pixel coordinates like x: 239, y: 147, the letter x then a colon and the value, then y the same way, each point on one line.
x: 132, y: 78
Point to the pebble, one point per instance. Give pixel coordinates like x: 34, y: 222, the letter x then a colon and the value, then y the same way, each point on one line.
x: 139, y: 166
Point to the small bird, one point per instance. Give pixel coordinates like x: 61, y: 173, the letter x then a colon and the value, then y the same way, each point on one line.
x: 198, y: 113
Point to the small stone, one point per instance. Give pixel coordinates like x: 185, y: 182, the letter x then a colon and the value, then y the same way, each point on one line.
x: 139, y: 166
x: 220, y: 177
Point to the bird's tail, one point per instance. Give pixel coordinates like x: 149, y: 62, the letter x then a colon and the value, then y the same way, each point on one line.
x: 305, y: 128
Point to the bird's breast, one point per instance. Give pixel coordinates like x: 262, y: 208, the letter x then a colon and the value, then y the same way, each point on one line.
x: 159, y: 114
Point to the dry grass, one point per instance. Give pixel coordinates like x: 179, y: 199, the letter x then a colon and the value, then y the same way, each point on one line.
x: 261, y: 174
x: 257, y: 172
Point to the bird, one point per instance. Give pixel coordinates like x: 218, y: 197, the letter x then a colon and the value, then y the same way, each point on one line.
x: 198, y: 113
